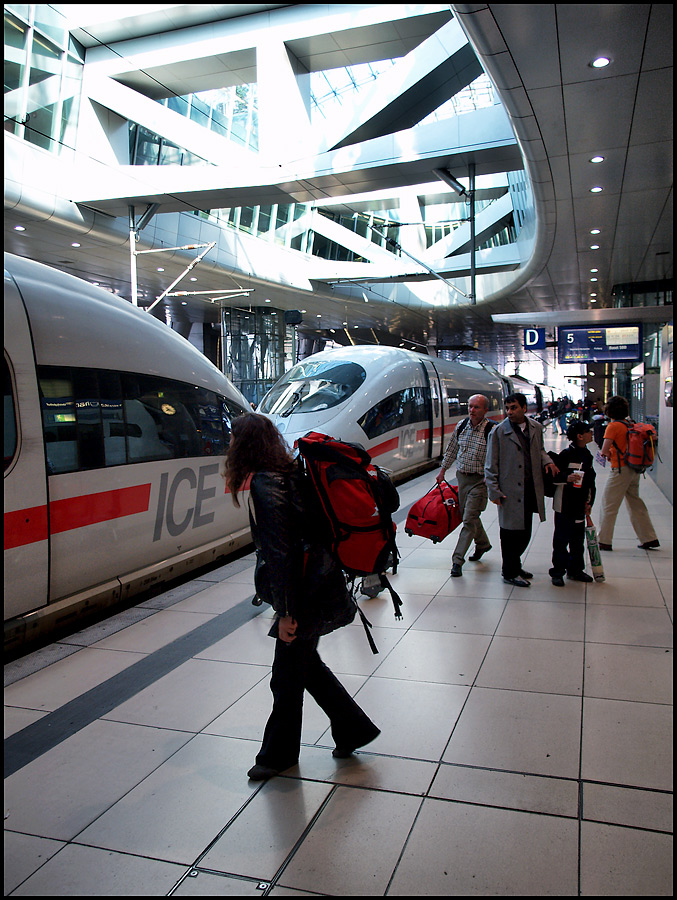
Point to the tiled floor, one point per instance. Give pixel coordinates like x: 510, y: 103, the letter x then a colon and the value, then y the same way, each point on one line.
x: 526, y: 742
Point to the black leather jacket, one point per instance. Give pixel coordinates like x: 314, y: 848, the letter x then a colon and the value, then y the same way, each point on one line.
x: 276, y: 517
x: 294, y: 573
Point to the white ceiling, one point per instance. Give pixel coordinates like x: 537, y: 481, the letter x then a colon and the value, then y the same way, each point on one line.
x: 563, y: 112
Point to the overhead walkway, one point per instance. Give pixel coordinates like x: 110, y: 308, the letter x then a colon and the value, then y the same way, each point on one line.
x: 525, y: 746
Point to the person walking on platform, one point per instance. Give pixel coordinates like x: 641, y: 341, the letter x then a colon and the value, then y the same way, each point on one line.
x: 623, y: 482
x: 283, y: 578
x: 468, y: 446
x: 514, y: 476
x: 572, y: 502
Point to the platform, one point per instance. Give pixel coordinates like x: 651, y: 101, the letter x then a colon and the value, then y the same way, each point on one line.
x: 526, y: 744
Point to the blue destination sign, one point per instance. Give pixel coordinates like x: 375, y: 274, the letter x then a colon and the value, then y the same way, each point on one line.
x: 607, y: 343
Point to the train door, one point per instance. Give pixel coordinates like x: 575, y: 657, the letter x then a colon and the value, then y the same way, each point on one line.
x: 26, y: 524
x: 436, y: 411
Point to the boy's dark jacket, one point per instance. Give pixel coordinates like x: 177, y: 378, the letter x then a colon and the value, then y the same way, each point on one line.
x: 575, y: 498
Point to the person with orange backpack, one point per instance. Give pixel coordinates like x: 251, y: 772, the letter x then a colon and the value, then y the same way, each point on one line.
x: 629, y: 453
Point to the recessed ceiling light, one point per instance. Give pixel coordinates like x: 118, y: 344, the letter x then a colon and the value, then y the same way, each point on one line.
x: 319, y: 316
x: 593, y: 295
x: 597, y: 159
x: 600, y: 62
x: 19, y: 228
x: 594, y: 246
x: 595, y: 231
x: 596, y: 190
x: 593, y: 299
x: 75, y: 244
x: 594, y: 270
x: 267, y: 301
x: 160, y: 269
x: 593, y: 279
x: 193, y: 278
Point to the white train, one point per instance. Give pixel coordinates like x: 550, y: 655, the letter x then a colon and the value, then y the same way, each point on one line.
x: 400, y: 405
x: 115, y: 430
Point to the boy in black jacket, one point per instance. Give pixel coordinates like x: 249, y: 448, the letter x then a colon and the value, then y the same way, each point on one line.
x: 571, y: 504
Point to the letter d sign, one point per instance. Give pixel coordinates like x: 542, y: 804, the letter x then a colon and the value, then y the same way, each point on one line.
x: 534, y: 338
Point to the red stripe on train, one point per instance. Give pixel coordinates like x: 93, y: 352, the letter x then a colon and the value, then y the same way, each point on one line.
x: 385, y: 447
x: 26, y: 526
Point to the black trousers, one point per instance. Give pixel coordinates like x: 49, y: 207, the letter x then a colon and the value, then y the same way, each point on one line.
x: 568, y: 546
x: 297, y: 667
x: 513, y: 544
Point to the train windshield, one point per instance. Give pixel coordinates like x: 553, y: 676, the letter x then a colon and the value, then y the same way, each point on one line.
x: 312, y: 386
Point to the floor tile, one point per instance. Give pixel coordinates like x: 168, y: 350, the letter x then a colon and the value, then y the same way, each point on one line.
x: 638, y: 626
x: 627, y: 806
x: 347, y: 650
x: 265, y: 832
x: 216, y: 598
x: 636, y: 863
x: 627, y: 743
x: 89, y: 872
x: 464, y: 615
x: 355, y: 825
x: 379, y: 610
x: 616, y: 590
x: 415, y: 718
x: 457, y: 849
x: 17, y: 719
x: 509, y: 790
x: 68, y: 678
x: 182, y: 806
x: 157, y: 631
x: 621, y: 672
x: 436, y: 657
x: 517, y: 731
x: 24, y: 854
x: 205, y: 884
x: 543, y: 619
x: 533, y: 664
x: 95, y: 767
x: 190, y: 696
x: 417, y: 581
x: 366, y: 769
x: 247, y: 644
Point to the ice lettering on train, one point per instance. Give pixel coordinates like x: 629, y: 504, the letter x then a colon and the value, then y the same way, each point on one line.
x: 167, y: 498
x: 408, y: 447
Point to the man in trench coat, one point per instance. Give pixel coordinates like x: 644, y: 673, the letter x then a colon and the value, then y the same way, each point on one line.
x: 514, y: 476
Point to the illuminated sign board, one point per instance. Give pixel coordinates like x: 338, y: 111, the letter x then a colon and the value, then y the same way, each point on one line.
x: 607, y: 343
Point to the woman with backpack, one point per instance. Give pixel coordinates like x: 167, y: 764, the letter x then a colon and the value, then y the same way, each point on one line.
x: 623, y: 481
x: 305, y: 587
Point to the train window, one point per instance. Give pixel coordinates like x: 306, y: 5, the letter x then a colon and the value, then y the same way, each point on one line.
x: 115, y: 431
x: 229, y: 411
x: 10, y: 429
x: 312, y: 386
x: 89, y: 427
x: 58, y: 419
x: 165, y: 416
x: 406, y: 407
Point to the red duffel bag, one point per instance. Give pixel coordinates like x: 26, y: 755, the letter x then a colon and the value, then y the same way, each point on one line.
x: 437, y: 514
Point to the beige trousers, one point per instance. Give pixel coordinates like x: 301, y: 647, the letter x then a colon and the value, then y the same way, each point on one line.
x: 623, y: 484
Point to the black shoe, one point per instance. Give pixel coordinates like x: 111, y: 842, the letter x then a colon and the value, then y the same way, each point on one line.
x: 557, y: 580
x: 345, y: 752
x: 456, y: 571
x: 526, y: 574
x: 605, y: 547
x: 518, y: 582
x: 579, y: 576
x: 649, y: 545
x: 261, y: 773
x: 478, y: 554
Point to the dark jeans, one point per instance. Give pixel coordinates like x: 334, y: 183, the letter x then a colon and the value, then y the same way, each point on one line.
x: 568, y: 546
x: 513, y: 545
x: 298, y: 667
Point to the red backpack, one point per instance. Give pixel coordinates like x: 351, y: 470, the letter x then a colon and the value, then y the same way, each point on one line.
x: 641, y: 449
x: 355, y: 502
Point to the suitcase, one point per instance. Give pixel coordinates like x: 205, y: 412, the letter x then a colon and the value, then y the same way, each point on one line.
x: 436, y: 515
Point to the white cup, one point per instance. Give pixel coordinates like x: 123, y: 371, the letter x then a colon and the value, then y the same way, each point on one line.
x: 578, y: 478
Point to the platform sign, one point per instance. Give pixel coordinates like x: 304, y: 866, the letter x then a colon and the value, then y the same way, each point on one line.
x: 534, y: 338
x: 606, y: 343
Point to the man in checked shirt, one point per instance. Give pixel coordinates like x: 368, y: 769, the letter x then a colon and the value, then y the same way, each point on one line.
x: 468, y: 445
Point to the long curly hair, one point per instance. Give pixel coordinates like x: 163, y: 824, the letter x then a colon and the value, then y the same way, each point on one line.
x: 255, y: 446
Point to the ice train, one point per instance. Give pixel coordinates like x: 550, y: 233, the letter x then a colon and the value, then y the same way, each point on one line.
x: 401, y: 405
x: 115, y: 429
